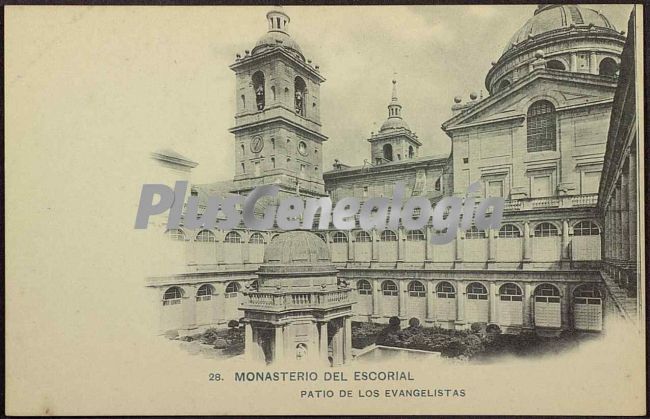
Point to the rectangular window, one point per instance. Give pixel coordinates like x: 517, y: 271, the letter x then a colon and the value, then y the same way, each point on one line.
x: 495, y: 188
x: 540, y: 186
x: 590, y: 182
x: 256, y: 167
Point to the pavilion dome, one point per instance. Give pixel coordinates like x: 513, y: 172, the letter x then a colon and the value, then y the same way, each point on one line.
x: 297, y: 247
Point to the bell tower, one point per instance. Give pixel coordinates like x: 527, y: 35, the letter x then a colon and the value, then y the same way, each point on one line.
x: 395, y: 140
x: 278, y: 137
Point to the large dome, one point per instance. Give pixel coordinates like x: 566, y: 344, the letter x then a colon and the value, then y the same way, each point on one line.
x: 394, y: 123
x: 297, y: 247
x: 553, y: 18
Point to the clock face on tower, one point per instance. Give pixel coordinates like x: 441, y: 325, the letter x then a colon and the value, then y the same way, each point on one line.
x: 257, y: 144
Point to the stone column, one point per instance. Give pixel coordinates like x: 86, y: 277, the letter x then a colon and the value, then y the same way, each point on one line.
x: 245, y: 248
x: 374, y: 246
x: 189, y: 307
x: 249, y: 352
x: 492, y: 302
x: 565, y: 241
x: 279, y: 344
x: 401, y: 244
x: 625, y: 227
x: 323, y: 343
x: 492, y: 245
x: 431, y: 314
x: 402, y: 287
x: 619, y: 231
x: 428, y: 247
x: 593, y: 66
x: 347, y: 350
x: 526, y: 242
x: 220, y: 296
x: 350, y: 246
x: 632, y: 205
x: 460, y: 302
x: 459, y: 246
x: 376, y: 289
x: 528, y: 305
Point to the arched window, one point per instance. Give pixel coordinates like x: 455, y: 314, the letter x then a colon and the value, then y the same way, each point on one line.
x: 608, y: 67
x: 172, y: 296
x: 555, y: 65
x: 388, y: 152
x: 540, y: 128
x: 510, y: 292
x: 503, y: 85
x: 438, y: 184
x: 416, y: 289
x: 445, y: 290
x: 322, y: 237
x: 587, y: 294
x: 414, y: 235
x: 254, y: 285
x: 232, y: 289
x: 474, y: 233
x: 340, y: 237
x: 176, y: 234
x: 363, y: 236
x: 256, y: 238
x: 232, y: 237
x: 364, y: 287
x: 389, y: 288
x: 476, y: 291
x: 299, y: 101
x: 388, y: 236
x: 206, y: 236
x: 204, y: 293
x: 411, y: 152
x: 545, y: 230
x: 509, y: 231
x: 273, y: 92
x: 547, y: 293
x: 586, y: 228
x: 258, y: 87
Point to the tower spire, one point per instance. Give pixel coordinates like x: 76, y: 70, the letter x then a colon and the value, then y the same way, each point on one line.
x: 394, y: 108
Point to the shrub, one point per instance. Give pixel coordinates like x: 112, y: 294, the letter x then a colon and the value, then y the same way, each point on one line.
x: 233, y: 323
x: 414, y: 322
x: 394, y: 321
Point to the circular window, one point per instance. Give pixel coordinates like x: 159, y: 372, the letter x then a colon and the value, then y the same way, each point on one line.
x: 257, y: 144
x: 302, y: 148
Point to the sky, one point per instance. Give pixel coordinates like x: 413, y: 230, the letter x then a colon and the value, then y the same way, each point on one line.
x: 142, y: 79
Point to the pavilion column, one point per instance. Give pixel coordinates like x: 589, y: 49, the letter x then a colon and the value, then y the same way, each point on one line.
x: 347, y: 350
x: 632, y: 205
x: 593, y: 66
x: 376, y: 289
x: 431, y: 314
x: 248, y: 342
x: 323, y: 343
x: 492, y: 303
x: 574, y: 63
x: 279, y: 344
x: 338, y: 344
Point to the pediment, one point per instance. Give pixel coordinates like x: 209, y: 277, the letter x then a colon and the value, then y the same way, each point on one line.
x: 514, y: 102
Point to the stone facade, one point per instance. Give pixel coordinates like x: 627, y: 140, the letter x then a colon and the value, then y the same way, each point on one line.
x: 540, y: 142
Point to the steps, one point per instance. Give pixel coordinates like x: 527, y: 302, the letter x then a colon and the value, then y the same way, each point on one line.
x: 626, y: 305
